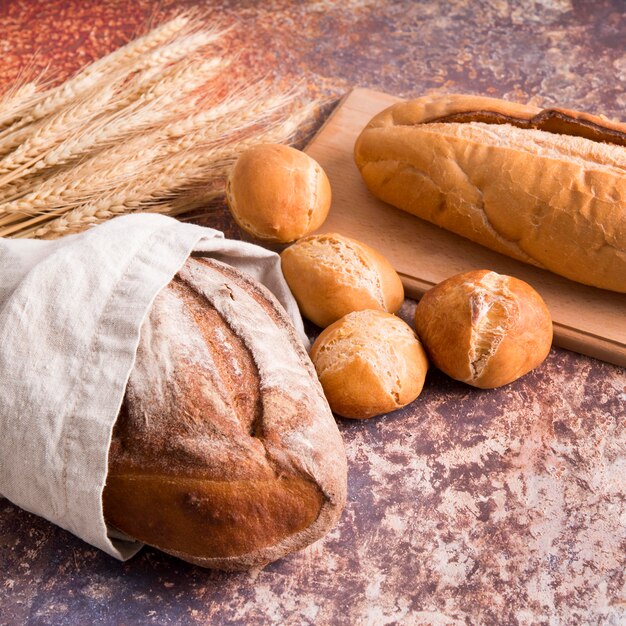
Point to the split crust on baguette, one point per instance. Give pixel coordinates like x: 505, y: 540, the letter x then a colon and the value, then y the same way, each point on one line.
x: 544, y: 187
x: 225, y: 453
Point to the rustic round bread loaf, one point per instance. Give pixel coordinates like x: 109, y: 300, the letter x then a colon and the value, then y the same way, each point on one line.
x: 331, y: 275
x: 483, y: 328
x: 369, y: 362
x: 225, y: 452
x: 277, y: 193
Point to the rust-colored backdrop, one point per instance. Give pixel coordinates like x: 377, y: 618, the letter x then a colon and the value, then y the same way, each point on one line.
x: 467, y: 507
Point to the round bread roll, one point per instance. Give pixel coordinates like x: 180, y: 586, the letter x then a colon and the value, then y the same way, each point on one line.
x: 483, y: 328
x: 369, y: 362
x: 277, y: 193
x: 331, y: 276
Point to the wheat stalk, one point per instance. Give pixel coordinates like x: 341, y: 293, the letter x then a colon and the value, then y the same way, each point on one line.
x: 95, y: 101
x: 181, y: 169
x: 67, y: 186
x: 148, y: 133
x: 161, y: 101
x: 56, y: 98
x: 54, y: 130
x: 77, y: 185
x: 15, y: 101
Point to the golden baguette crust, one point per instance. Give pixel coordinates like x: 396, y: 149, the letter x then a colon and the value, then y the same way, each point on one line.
x: 544, y: 187
x: 225, y: 453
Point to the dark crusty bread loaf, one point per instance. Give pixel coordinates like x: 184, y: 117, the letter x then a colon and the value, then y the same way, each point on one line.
x: 225, y: 453
x: 545, y: 187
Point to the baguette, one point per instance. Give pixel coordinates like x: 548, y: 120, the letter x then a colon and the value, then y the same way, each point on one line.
x: 547, y: 187
x: 225, y: 452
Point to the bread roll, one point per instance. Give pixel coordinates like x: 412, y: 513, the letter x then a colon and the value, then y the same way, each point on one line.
x: 545, y: 187
x: 331, y: 276
x: 369, y: 362
x: 225, y: 453
x: 483, y: 328
x: 278, y: 194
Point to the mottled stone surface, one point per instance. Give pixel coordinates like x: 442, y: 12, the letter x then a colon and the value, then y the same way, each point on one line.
x: 467, y: 507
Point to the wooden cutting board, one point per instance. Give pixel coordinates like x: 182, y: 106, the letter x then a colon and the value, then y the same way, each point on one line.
x: 587, y: 320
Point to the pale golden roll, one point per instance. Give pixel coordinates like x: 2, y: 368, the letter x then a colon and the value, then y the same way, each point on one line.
x: 369, y: 362
x: 277, y: 193
x: 331, y: 276
x: 483, y: 328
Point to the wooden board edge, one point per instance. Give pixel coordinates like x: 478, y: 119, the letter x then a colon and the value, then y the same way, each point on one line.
x: 329, y: 119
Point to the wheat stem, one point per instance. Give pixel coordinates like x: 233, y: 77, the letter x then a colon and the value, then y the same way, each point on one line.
x: 143, y: 129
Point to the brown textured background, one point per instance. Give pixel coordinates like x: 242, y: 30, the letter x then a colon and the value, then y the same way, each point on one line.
x: 467, y: 507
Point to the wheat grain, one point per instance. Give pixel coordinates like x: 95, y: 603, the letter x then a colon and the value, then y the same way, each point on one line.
x: 77, y: 186
x: 13, y: 103
x: 176, y: 50
x: 149, y: 133
x: 134, y: 49
x: 163, y: 101
x: 199, y: 132
x: 54, y: 130
x: 94, y: 100
x: 167, y: 176
x: 58, y: 97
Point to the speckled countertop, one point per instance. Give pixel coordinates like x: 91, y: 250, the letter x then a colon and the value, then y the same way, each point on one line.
x: 467, y: 507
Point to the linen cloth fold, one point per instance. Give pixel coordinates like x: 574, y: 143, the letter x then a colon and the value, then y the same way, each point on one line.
x: 70, y: 316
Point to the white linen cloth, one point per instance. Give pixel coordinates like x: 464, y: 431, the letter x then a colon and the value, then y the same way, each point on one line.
x: 70, y: 315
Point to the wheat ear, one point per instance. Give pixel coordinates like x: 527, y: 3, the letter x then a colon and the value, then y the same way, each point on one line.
x: 96, y: 101
x: 58, y: 97
x: 15, y: 101
x: 162, y: 101
x: 175, y: 172
x: 54, y: 130
x: 89, y: 178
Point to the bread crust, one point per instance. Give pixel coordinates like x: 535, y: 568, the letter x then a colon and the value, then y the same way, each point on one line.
x: 369, y: 362
x: 225, y: 453
x: 483, y: 328
x: 544, y: 187
x: 331, y: 275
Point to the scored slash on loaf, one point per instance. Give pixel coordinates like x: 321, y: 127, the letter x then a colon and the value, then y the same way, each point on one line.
x: 225, y: 453
x: 484, y: 328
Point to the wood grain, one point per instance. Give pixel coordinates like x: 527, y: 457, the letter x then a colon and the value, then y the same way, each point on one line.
x: 586, y: 319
